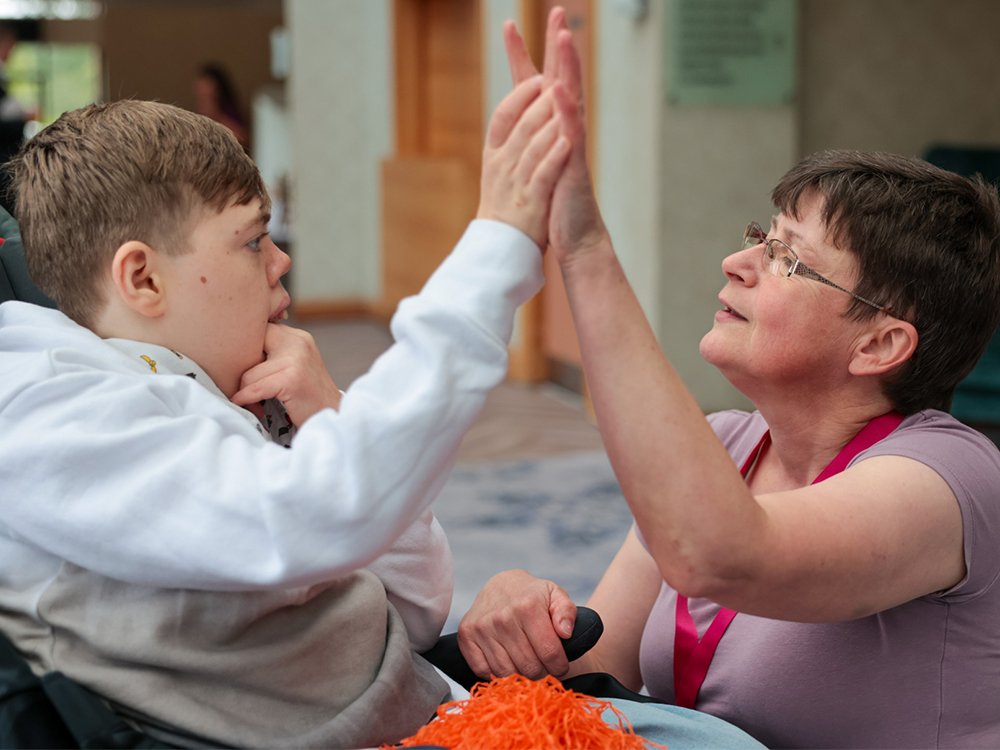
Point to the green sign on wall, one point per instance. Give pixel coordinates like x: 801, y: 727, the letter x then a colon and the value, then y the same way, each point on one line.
x: 730, y: 52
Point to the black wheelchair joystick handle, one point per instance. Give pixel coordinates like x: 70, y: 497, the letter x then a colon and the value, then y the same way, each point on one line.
x: 587, y: 629
x: 447, y: 656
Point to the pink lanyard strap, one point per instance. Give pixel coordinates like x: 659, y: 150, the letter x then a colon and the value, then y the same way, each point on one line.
x: 693, y: 655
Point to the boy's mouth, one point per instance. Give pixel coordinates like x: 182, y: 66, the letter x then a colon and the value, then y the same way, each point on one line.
x: 282, y: 311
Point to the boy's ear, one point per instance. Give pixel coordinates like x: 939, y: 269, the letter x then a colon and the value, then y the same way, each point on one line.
x: 884, y: 348
x: 137, y: 278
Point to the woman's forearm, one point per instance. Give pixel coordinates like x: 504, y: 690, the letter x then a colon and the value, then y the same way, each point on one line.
x: 687, y: 496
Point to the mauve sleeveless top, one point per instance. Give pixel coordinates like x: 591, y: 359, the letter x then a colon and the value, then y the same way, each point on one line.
x: 924, y: 674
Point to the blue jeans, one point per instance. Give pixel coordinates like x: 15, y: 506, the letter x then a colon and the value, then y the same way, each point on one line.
x: 681, y: 728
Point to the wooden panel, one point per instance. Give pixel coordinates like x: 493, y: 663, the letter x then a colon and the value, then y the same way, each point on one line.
x: 325, y: 309
x: 439, y: 110
x: 410, y: 66
x: 454, y: 77
x: 430, y: 188
x: 426, y: 204
x: 526, y: 361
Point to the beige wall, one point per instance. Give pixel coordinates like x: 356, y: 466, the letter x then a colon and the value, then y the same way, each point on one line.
x: 152, y: 48
x: 897, y: 75
x: 340, y: 102
x: 677, y: 184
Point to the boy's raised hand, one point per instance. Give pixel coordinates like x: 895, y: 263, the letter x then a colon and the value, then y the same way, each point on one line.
x: 293, y: 373
x: 523, y: 157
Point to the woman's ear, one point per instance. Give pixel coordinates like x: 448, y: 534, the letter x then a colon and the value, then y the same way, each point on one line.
x: 138, y: 280
x: 884, y: 348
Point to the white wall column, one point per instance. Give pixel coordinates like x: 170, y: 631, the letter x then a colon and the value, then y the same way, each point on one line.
x: 341, y: 108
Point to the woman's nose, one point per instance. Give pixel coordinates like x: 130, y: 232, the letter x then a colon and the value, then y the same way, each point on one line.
x: 743, y: 264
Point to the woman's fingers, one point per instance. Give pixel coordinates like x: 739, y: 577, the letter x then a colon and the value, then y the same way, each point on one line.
x: 556, y: 24
x: 570, y: 70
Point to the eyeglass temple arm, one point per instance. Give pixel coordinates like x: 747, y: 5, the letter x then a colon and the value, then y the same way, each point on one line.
x: 813, y: 275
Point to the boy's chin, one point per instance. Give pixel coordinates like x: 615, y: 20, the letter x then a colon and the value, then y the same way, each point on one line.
x: 234, y: 377
x: 255, y: 362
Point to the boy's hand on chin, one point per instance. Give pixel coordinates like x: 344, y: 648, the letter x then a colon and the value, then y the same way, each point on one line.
x: 293, y: 373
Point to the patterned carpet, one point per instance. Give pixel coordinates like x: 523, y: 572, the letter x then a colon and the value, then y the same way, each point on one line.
x: 558, y: 517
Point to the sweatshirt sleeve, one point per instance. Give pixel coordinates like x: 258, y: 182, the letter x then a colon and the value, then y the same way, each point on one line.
x: 154, y: 480
x: 417, y: 574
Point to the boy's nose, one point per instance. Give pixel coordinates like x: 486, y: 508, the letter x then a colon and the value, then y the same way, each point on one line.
x: 280, y: 264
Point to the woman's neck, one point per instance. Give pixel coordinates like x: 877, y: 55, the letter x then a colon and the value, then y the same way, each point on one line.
x: 804, y: 440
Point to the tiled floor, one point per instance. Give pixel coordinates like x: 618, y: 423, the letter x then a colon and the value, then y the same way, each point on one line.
x: 519, y: 420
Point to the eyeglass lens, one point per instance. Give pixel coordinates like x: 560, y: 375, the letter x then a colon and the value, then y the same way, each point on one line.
x: 776, y: 257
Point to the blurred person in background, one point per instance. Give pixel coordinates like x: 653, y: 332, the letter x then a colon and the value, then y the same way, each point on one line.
x: 215, y: 97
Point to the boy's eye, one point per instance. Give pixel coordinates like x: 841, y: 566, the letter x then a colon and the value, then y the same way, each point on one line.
x: 254, y: 244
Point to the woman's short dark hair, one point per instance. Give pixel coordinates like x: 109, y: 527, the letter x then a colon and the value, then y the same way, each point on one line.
x: 928, y: 245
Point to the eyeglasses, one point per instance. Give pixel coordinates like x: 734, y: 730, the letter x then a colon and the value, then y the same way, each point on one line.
x: 780, y: 260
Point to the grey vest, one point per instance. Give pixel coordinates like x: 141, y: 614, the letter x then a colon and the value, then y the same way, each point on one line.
x: 327, y: 666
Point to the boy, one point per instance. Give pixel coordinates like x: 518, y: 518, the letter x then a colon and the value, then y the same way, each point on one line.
x: 157, y: 545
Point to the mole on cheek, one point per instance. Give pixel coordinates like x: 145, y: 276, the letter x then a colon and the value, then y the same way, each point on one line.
x: 204, y: 280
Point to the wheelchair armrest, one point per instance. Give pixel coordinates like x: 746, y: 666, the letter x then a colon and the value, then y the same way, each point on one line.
x: 446, y: 655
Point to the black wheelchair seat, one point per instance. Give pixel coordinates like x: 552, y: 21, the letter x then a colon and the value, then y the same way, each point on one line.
x: 15, y: 282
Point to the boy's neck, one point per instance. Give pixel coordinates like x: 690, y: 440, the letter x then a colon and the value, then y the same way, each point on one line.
x: 114, y: 323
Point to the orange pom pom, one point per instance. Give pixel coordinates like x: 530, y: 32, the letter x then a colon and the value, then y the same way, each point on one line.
x: 515, y: 713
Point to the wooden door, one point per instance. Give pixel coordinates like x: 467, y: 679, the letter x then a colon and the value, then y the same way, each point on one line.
x: 430, y: 186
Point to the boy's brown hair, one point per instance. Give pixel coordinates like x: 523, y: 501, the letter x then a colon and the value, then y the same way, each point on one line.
x: 106, y: 174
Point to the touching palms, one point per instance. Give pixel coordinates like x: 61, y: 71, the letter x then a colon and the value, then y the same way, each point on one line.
x: 575, y: 222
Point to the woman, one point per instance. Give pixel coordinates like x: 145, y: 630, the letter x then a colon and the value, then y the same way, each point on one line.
x: 822, y: 571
